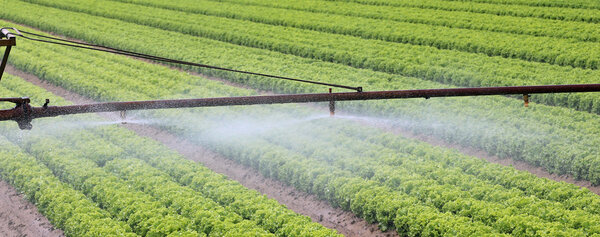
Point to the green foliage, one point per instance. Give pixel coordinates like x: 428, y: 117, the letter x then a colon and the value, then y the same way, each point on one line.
x: 402, y: 185
x: 454, y: 19
x: 248, y: 204
x: 560, y: 140
x: 536, y: 9
x: 145, y: 216
x: 67, y: 208
x: 188, y: 211
x: 540, y: 49
x: 445, y: 66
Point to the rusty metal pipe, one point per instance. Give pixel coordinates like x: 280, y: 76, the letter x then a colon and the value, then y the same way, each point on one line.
x: 25, y: 112
x: 306, y: 98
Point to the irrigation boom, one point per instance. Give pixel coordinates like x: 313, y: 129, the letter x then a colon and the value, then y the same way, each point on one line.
x: 23, y: 113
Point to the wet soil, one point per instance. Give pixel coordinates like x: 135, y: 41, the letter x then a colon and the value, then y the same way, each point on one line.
x: 19, y: 217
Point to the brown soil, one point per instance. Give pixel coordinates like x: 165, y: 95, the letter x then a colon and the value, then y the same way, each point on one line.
x: 344, y: 222
x: 19, y: 217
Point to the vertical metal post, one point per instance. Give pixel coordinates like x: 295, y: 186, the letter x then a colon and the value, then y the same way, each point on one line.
x: 331, y: 105
x: 526, y: 99
x: 4, y: 60
x: 8, y: 42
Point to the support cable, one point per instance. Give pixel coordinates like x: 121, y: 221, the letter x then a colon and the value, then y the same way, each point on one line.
x: 71, y: 43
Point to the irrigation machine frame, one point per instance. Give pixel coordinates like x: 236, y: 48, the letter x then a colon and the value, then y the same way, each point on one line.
x: 23, y: 113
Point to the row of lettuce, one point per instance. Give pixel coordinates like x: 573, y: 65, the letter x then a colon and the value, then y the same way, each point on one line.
x: 564, y: 14
x: 547, y: 3
x: 68, y: 209
x: 491, y: 199
x: 370, y: 178
x: 556, y: 51
x: 298, y: 170
x: 156, y: 211
x: 157, y: 207
x: 583, y: 31
x: 396, y: 197
x: 558, y: 139
x: 445, y: 66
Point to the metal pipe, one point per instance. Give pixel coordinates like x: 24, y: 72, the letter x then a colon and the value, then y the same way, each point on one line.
x: 25, y: 113
x: 306, y: 98
x: 4, y: 60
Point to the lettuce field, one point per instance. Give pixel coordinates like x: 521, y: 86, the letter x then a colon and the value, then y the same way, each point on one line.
x: 461, y: 166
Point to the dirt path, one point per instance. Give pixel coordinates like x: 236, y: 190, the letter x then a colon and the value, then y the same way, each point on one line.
x: 19, y: 217
x: 300, y: 202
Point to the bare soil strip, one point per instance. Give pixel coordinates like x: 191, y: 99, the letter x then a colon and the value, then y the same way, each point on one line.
x: 344, y: 222
x: 19, y: 217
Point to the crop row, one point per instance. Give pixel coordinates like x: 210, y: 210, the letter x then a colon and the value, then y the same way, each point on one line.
x: 439, y: 201
x: 565, y: 14
x: 375, y: 161
x: 290, y: 165
x: 377, y: 202
x: 64, y: 155
x: 444, y: 66
x: 146, y: 216
x: 386, y: 217
x: 455, y: 19
x: 425, y: 173
x: 247, y: 203
x: 100, y: 158
x: 486, y: 201
x: 546, y: 3
x: 206, y: 216
x: 285, y: 166
x: 558, y: 139
x: 539, y: 49
x: 250, y: 205
x: 65, y: 207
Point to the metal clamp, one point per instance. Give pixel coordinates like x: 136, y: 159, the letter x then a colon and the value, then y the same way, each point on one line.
x: 21, y: 113
x: 16, y: 100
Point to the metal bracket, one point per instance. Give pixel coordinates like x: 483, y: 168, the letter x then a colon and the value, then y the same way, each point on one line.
x: 16, y: 100
x: 45, y: 106
x: 331, y: 105
x: 8, y: 42
x: 21, y: 113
